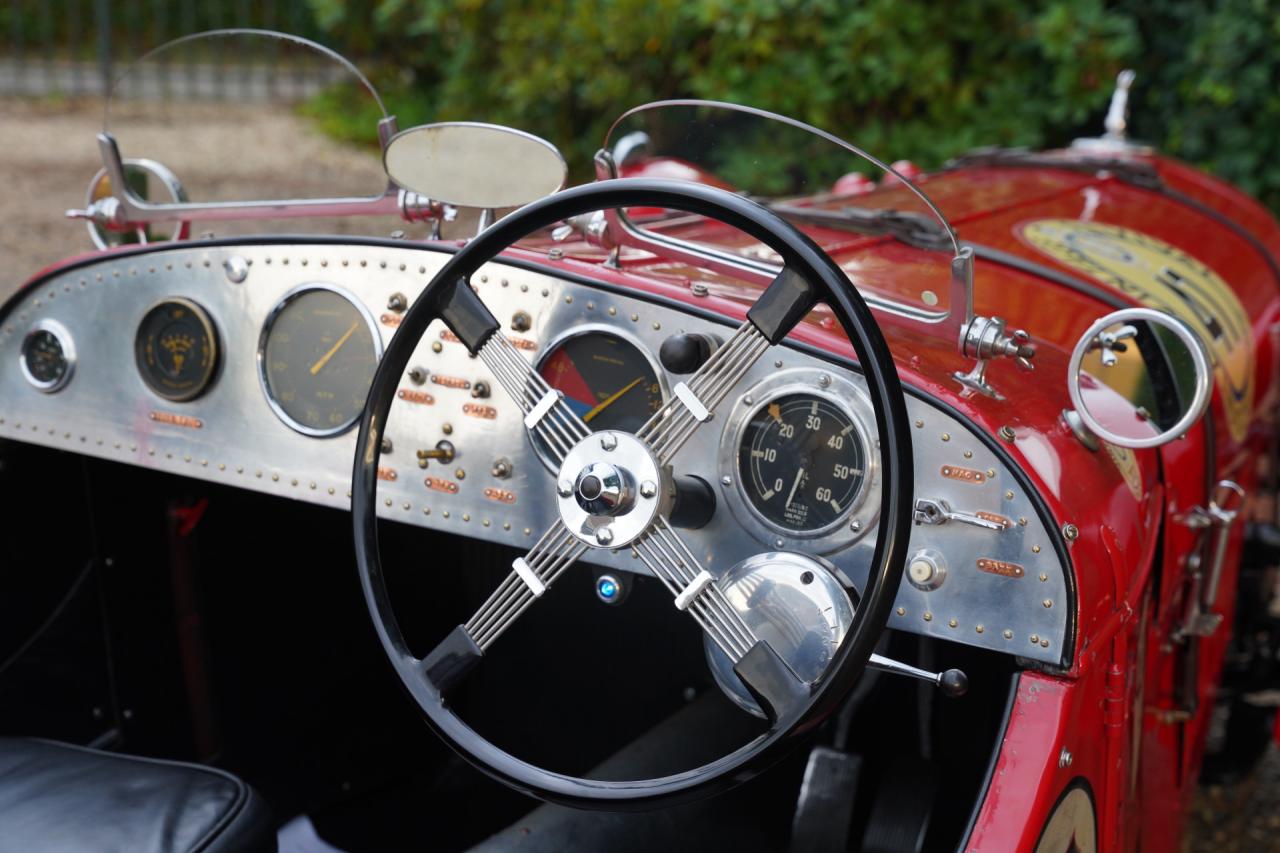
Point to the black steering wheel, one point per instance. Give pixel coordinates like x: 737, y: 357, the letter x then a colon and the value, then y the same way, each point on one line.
x: 615, y: 489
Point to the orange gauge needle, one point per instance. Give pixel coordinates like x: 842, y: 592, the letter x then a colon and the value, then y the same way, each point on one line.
x: 324, y: 359
x: 586, y: 419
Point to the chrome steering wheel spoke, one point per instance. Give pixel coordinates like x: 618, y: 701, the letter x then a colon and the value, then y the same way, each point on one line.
x: 545, y: 413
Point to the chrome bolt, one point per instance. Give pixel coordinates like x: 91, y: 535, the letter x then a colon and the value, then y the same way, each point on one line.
x: 397, y: 302
x: 608, y: 441
x: 648, y: 489
x: 1064, y: 758
x: 604, y: 536
x: 564, y: 489
x: 824, y: 380
x: 726, y: 480
x: 1070, y: 532
x: 236, y: 268
x: 1006, y: 432
x: 555, y: 254
x: 699, y: 288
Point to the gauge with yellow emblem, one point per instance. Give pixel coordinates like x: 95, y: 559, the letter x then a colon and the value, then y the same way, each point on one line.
x: 316, y: 357
x: 176, y: 349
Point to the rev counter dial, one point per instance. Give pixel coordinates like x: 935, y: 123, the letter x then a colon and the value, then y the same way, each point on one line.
x: 801, y: 463
x: 316, y: 357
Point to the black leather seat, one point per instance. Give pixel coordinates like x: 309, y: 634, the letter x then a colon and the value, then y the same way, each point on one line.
x: 69, y: 799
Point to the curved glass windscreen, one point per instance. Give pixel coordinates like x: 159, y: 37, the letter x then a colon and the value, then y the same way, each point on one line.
x: 248, y: 115
x: 842, y: 196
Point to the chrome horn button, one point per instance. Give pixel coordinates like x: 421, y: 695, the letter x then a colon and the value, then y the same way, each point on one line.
x: 610, y: 489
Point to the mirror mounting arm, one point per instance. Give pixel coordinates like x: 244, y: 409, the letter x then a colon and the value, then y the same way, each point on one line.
x: 985, y: 338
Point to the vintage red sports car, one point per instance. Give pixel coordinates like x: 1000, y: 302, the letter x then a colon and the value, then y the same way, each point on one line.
x: 758, y: 495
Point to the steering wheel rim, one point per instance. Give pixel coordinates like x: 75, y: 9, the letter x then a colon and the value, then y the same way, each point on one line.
x: 814, y: 266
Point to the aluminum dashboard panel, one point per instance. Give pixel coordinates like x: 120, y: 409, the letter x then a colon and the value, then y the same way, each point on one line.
x: 1002, y: 585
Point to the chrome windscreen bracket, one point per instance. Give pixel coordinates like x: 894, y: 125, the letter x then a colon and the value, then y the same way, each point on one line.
x: 985, y: 338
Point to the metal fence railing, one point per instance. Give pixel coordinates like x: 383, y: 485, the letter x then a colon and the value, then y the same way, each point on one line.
x: 78, y: 47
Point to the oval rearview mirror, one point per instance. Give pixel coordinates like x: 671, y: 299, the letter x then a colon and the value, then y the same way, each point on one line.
x: 149, y: 181
x: 468, y: 164
x: 1139, y: 378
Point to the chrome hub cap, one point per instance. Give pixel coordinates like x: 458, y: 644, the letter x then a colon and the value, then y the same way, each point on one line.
x: 610, y: 489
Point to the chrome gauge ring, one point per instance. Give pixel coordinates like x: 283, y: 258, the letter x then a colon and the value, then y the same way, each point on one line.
x: 855, y: 458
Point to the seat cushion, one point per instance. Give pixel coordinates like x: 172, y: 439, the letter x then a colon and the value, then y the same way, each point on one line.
x: 68, y: 799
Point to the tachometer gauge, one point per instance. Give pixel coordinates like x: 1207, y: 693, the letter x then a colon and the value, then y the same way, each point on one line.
x: 47, y: 356
x: 316, y: 357
x: 176, y: 349
x: 801, y: 463
x: 607, y: 380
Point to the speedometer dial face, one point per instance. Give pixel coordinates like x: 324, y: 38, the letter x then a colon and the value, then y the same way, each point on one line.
x: 801, y: 463
x: 317, y: 355
x: 605, y: 379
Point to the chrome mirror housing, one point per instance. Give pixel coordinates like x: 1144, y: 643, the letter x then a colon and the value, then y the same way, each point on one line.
x: 1138, y: 378
x: 469, y: 164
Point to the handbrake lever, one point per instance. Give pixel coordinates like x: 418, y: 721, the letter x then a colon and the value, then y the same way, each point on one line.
x: 952, y: 683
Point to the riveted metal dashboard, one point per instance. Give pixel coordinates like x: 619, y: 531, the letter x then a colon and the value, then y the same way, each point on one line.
x: 997, y: 582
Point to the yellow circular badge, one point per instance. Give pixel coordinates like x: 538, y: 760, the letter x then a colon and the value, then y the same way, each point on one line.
x: 1164, y: 277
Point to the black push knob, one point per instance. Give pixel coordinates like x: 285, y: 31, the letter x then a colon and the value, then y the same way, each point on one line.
x: 685, y: 353
x: 953, y: 683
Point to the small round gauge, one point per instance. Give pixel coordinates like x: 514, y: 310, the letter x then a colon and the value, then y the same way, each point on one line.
x: 607, y: 380
x: 47, y: 356
x: 801, y: 463
x: 316, y: 357
x: 176, y: 349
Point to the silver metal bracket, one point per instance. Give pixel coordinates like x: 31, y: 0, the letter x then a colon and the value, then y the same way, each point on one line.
x: 984, y: 338
x: 1217, y: 520
x: 938, y: 511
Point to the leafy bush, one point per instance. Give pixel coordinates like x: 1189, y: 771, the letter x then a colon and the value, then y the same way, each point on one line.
x: 921, y: 81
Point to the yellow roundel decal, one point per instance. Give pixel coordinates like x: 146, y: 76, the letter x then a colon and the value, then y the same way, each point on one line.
x: 1166, y: 278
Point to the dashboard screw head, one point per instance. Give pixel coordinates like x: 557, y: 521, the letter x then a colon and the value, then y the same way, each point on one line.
x: 564, y: 488
x: 604, y: 536
x: 236, y: 268
x: 608, y: 441
x: 648, y: 489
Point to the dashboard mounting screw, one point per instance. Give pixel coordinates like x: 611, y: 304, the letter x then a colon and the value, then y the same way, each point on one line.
x: 648, y: 489
x: 501, y: 468
x: 604, y: 536
x: 564, y: 488
x: 726, y: 480
x: 521, y: 321
x: 397, y: 302
x: 418, y: 375
x: 608, y: 442
x: 824, y: 380
x: 1070, y: 532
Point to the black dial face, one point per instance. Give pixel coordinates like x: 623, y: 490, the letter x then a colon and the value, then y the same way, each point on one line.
x: 801, y: 463
x: 318, y: 355
x: 176, y: 349
x: 606, y: 380
x: 45, y: 360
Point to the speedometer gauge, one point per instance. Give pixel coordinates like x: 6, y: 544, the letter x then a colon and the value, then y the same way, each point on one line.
x: 801, y: 463
x: 316, y: 357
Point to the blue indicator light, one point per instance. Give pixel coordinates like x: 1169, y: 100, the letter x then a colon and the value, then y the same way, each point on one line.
x: 608, y: 589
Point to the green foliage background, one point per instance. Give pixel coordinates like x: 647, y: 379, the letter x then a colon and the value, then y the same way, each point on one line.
x: 916, y: 80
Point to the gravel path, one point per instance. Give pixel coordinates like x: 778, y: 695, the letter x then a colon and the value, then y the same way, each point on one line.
x: 48, y: 153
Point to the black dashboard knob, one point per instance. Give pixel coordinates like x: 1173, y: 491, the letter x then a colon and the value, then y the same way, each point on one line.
x: 685, y: 353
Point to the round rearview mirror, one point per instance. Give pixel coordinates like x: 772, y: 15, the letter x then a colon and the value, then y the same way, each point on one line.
x: 148, y: 181
x: 468, y: 164
x: 1139, y: 378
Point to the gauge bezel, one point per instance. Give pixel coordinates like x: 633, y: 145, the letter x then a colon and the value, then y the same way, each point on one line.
x: 215, y: 344
x: 850, y: 399
x: 581, y: 330
x: 290, y: 296
x: 65, y: 340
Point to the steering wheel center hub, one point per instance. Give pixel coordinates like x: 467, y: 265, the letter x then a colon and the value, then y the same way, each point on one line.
x: 610, y: 489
